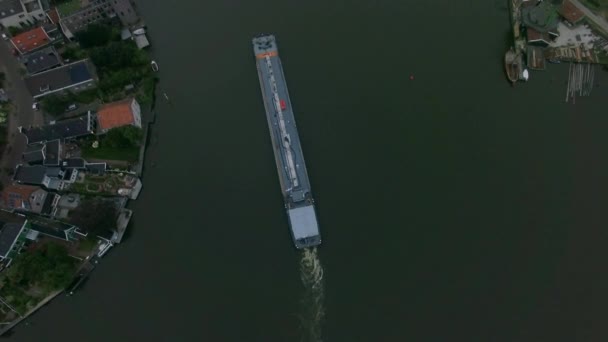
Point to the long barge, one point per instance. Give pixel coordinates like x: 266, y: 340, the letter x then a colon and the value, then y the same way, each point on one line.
x: 289, y: 158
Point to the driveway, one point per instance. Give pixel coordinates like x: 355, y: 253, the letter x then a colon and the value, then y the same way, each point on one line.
x: 22, y: 113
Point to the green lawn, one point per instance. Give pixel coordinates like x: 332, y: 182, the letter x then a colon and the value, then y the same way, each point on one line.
x: 130, y: 154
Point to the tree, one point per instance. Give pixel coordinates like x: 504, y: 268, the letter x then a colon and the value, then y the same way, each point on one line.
x: 49, y: 267
x: 123, y: 137
x: 95, y: 216
x: 95, y: 35
x: 55, y: 105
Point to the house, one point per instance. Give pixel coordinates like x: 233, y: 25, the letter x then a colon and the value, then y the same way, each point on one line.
x: 31, y: 40
x: 65, y: 129
x: 52, y: 178
x: 32, y: 175
x: 52, y: 153
x: 30, y: 198
x: 541, y: 16
x: 75, y: 77
x: 47, y: 153
x: 56, y: 229
x: 41, y: 60
x: 76, y: 15
x: 571, y: 13
x: 34, y: 153
x: 17, y: 196
x: 118, y: 114
x: 538, y: 38
x: 13, y: 234
x: 20, y: 13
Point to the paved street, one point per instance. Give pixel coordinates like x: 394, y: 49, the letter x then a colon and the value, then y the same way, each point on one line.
x: 22, y: 113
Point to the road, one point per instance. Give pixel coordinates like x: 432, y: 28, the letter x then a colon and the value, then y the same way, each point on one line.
x: 599, y: 21
x: 22, y: 113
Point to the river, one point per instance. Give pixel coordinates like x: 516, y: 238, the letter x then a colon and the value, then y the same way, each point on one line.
x: 453, y: 207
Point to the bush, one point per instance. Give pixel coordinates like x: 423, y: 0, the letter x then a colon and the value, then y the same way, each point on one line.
x: 123, y: 137
x: 97, y: 35
x: 95, y: 216
x: 49, y: 267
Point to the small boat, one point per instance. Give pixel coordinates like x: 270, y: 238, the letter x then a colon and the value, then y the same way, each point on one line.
x: 512, y: 65
x: 139, y: 31
x: 154, y: 66
x: 525, y: 75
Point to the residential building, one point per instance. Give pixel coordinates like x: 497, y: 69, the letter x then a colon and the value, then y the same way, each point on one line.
x: 47, y: 153
x: 52, y: 178
x: 541, y: 16
x: 13, y: 233
x: 31, y: 40
x: 571, y: 13
x: 41, y: 60
x: 52, y: 228
x: 20, y: 13
x: 65, y: 129
x: 118, y: 114
x: 538, y: 38
x: 30, y: 198
x: 75, y: 77
x: 76, y: 15
x: 16, y: 196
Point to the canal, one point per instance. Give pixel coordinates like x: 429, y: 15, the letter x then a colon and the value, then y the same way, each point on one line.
x: 452, y: 206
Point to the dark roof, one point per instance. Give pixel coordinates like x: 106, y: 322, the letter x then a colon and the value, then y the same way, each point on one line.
x: 68, y: 174
x: 52, y: 152
x: 47, y: 207
x: 77, y: 163
x: 8, y: 235
x: 49, y: 227
x: 60, y: 78
x: 53, y: 171
x: 34, y: 154
x: 9, y: 8
x: 66, y: 129
x: 11, y: 225
x: 30, y: 174
x: 542, y: 16
x: 96, y: 167
x: 41, y: 60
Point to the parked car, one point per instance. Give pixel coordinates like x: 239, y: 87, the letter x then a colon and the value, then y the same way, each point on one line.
x: 36, y: 106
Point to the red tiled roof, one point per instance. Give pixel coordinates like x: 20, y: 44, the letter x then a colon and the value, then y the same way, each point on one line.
x: 30, y: 40
x: 13, y: 196
x: 115, y: 114
x: 53, y: 15
x: 570, y: 12
x: 534, y: 35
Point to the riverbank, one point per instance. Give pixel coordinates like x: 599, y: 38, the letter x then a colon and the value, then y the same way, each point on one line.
x: 563, y: 32
x: 86, y: 132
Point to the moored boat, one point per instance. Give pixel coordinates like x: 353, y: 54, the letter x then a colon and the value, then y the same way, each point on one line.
x: 154, y: 66
x: 512, y: 65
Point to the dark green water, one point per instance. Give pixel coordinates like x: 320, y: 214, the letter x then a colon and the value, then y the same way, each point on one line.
x: 453, y: 207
